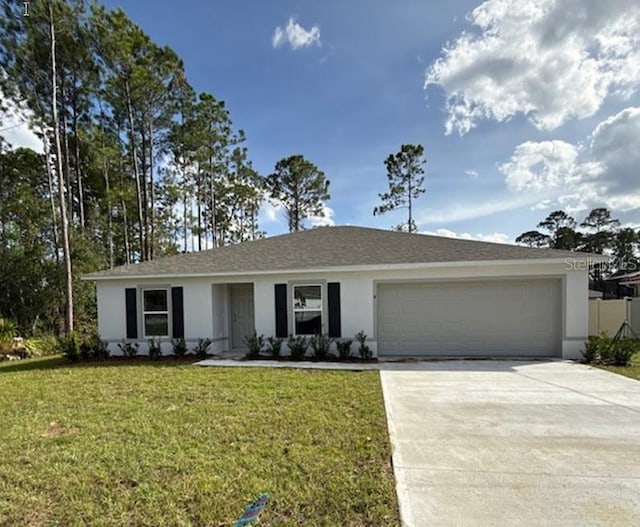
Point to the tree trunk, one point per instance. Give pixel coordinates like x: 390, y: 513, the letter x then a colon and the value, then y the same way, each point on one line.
x: 212, y: 197
x: 105, y: 173
x: 52, y: 201
x: 185, y: 216
x: 410, y: 211
x: 65, y: 145
x: 61, y: 189
x: 78, y: 170
x: 125, y: 218
x: 143, y: 184
x: 212, y: 190
x: 199, y: 207
x: 152, y: 194
x: 136, y: 172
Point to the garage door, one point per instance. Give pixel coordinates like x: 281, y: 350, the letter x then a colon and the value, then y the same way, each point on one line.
x: 492, y: 318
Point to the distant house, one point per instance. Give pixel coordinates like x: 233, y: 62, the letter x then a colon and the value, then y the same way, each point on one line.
x: 621, y: 286
x: 631, y: 280
x: 412, y: 294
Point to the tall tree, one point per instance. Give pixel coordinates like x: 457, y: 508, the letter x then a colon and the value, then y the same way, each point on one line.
x: 121, y: 47
x: 66, y: 248
x: 602, y: 229
x: 625, y: 250
x: 533, y: 239
x: 405, y: 174
x: 29, y: 56
x: 30, y: 277
x: 109, y: 105
x: 561, y: 228
x: 301, y: 188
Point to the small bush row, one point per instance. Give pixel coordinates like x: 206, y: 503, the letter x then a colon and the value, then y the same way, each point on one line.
x: 320, y: 346
x: 76, y: 347
x: 603, y: 349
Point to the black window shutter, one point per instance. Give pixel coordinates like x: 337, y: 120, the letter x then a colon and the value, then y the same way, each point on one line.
x: 281, y: 310
x: 333, y: 302
x: 177, y: 312
x: 130, y: 296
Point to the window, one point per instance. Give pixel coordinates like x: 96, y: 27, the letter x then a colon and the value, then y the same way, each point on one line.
x: 155, y: 314
x: 307, y: 309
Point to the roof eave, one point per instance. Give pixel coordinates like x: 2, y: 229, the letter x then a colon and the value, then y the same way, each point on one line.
x: 588, y: 258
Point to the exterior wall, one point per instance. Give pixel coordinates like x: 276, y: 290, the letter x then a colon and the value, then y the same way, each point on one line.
x: 220, y: 330
x: 576, y: 313
x: 198, y: 310
x: 111, y: 312
x: 206, y: 298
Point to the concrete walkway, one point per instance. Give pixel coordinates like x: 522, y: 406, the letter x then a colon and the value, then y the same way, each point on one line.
x: 307, y: 365
x: 395, y: 364
x: 496, y: 443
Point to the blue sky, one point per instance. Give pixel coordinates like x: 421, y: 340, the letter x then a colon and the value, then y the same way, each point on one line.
x: 532, y: 107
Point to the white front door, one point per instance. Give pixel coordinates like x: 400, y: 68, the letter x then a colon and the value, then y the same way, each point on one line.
x: 242, y: 319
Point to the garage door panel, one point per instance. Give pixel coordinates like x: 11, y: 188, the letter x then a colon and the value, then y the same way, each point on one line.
x: 499, y: 318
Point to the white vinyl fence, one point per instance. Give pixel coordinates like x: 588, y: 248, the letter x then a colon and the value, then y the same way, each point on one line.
x: 608, y: 315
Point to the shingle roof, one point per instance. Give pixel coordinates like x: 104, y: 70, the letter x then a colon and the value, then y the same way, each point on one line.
x: 331, y: 247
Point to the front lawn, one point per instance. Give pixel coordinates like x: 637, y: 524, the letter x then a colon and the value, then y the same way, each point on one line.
x: 631, y: 370
x: 176, y: 445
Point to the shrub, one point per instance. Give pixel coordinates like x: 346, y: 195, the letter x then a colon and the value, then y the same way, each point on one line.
x: 363, y: 350
x: 8, y: 329
x: 155, y: 349
x: 320, y: 345
x: 179, y: 347
x: 603, y: 349
x: 622, y: 350
x: 43, y: 346
x: 275, y: 345
x: 101, y: 349
x: 202, y: 348
x: 298, y: 346
x: 255, y: 344
x: 129, y: 349
x: 69, y: 347
x: 596, y: 348
x: 344, y: 349
x: 85, y: 348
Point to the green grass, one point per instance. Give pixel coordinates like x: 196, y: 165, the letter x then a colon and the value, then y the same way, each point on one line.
x: 163, y: 444
x: 631, y: 370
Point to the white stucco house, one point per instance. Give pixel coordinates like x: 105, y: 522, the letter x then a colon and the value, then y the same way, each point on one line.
x: 412, y: 294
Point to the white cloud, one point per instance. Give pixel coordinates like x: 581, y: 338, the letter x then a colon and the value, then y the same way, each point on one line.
x: 545, y: 204
x: 476, y: 208
x: 322, y: 221
x: 271, y: 211
x: 296, y: 36
x: 495, y: 237
x: 14, y: 126
x: 473, y: 174
x: 551, y: 60
x: 603, y: 171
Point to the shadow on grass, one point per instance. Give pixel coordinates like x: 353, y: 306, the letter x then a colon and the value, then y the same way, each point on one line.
x: 58, y: 362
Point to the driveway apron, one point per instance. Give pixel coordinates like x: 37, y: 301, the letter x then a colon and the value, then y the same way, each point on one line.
x: 497, y: 443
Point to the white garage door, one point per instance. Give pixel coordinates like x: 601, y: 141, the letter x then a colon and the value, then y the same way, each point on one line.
x: 492, y: 318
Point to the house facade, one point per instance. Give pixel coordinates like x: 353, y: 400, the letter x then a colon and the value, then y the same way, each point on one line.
x: 411, y: 294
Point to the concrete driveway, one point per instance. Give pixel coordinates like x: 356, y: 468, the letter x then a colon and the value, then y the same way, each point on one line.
x: 509, y: 443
